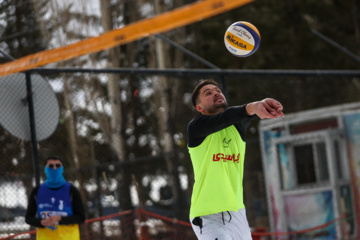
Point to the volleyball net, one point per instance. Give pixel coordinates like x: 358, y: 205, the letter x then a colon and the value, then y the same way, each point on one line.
x: 164, y: 22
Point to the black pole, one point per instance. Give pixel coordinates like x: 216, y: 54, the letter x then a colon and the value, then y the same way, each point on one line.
x: 239, y: 74
x: 335, y: 44
x: 32, y: 128
x: 193, y: 55
x: 188, y: 52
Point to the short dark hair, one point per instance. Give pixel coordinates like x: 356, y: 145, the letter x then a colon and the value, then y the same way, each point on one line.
x: 195, y: 93
x: 53, y: 158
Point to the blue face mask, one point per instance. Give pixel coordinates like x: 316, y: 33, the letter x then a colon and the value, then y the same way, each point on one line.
x: 54, y: 177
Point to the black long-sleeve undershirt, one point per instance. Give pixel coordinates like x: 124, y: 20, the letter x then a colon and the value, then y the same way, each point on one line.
x: 78, y: 216
x: 202, y: 126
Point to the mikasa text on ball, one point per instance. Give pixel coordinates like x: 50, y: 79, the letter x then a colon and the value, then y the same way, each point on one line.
x: 242, y: 39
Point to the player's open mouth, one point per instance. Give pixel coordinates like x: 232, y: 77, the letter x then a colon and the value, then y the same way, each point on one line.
x: 217, y: 99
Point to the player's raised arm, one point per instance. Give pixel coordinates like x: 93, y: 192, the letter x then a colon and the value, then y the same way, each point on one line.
x: 267, y: 108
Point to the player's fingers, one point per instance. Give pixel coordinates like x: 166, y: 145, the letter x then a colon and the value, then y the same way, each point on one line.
x: 273, y: 103
x: 269, y: 109
x: 46, y: 222
x: 274, y: 107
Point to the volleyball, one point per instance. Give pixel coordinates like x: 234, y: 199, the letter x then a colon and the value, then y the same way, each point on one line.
x: 242, y: 39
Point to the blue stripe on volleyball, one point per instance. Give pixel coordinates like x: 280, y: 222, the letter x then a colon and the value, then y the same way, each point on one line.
x: 255, y: 35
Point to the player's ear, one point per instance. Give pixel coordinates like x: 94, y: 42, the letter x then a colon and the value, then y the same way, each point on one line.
x: 199, y: 108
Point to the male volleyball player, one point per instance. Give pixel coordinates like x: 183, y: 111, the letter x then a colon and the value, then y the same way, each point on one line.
x: 217, y: 149
x: 55, y: 207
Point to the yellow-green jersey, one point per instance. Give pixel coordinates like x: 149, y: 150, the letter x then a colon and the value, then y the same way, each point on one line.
x: 217, y: 151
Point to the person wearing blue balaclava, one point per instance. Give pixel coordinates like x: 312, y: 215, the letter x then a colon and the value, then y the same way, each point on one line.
x: 54, y: 175
x: 55, y: 207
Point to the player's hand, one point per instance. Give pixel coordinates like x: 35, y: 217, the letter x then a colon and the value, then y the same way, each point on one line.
x: 267, y: 108
x: 50, y: 221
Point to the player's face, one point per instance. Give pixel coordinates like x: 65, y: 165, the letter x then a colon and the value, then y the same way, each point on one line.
x: 211, y: 100
x: 53, y: 163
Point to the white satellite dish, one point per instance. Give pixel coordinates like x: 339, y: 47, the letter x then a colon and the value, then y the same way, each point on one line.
x: 14, y: 107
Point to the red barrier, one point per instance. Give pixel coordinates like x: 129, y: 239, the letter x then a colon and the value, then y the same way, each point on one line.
x: 148, y: 225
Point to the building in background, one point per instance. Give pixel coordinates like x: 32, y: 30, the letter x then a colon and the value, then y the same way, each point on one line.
x: 311, y: 163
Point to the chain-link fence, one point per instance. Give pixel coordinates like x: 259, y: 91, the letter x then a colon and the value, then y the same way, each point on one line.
x: 122, y: 135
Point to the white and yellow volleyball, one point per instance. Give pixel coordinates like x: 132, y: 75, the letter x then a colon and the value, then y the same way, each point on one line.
x: 242, y: 39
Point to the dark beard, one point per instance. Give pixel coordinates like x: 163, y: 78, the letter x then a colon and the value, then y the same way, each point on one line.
x: 215, y: 108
